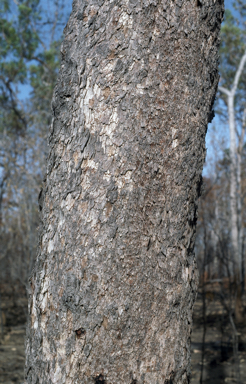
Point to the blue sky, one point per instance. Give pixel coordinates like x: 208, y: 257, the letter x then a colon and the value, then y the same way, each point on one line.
x: 48, y: 10
x: 228, y: 4
x: 218, y: 134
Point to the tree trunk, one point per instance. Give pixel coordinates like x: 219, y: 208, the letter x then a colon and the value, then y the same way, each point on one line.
x: 234, y: 190
x: 115, y: 280
x: 234, y: 200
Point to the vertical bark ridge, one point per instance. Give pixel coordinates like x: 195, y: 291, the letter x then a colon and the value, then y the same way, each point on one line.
x: 115, y: 278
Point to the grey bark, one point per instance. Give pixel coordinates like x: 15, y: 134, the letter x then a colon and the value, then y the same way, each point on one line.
x: 115, y: 279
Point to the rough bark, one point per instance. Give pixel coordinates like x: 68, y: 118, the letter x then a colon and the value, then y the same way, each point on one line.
x: 115, y: 279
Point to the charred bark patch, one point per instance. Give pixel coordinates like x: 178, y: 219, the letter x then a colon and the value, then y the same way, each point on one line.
x: 100, y: 379
x: 148, y: 245
x: 170, y: 380
x: 80, y: 332
x: 199, y: 186
x: 40, y: 200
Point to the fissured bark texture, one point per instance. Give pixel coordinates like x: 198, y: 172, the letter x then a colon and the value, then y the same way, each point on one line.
x: 115, y: 279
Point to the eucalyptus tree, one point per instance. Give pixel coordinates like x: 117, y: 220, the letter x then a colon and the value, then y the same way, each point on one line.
x: 232, y: 93
x: 114, y: 284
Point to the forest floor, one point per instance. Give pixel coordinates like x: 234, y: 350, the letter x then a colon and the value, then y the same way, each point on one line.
x: 213, y: 354
x: 218, y: 362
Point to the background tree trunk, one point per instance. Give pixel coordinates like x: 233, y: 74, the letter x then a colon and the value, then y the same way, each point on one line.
x: 236, y: 188
x: 115, y: 279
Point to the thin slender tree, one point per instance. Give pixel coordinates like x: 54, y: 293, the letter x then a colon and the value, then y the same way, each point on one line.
x: 233, y: 69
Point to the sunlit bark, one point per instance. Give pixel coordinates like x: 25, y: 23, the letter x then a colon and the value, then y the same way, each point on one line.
x: 115, y: 280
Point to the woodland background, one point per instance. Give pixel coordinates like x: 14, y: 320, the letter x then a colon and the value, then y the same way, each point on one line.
x: 30, y: 38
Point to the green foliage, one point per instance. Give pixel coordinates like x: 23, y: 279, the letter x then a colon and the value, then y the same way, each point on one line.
x: 30, y: 37
x: 25, y: 59
x: 240, y: 6
x: 232, y: 47
x: 43, y: 75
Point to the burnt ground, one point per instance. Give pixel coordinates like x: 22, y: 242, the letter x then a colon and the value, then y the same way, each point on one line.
x: 13, y: 311
x: 218, y: 364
